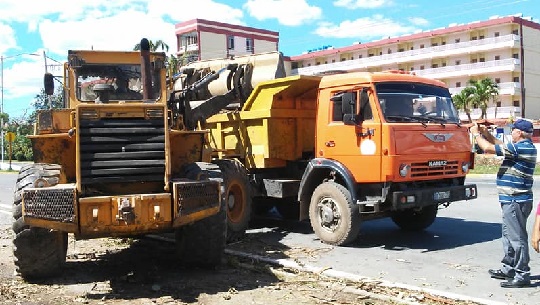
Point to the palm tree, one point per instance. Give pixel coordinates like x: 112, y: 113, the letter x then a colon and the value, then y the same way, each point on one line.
x: 465, y: 100
x: 154, y: 46
x: 485, y: 90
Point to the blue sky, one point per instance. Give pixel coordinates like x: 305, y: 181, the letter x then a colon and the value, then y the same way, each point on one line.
x: 53, y: 27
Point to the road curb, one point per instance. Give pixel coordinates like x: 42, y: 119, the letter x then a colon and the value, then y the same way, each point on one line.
x: 358, y: 278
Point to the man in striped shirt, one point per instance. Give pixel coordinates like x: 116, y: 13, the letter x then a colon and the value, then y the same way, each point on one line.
x: 514, y: 184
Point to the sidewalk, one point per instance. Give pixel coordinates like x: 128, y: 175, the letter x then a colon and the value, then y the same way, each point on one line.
x: 14, y: 166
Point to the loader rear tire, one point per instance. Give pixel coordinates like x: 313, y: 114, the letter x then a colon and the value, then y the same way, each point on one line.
x: 333, y: 216
x: 203, y: 242
x: 415, y: 220
x: 38, y: 252
x: 238, y: 198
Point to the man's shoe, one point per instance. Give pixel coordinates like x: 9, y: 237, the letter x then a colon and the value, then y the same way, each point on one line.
x: 498, y: 274
x: 515, y: 283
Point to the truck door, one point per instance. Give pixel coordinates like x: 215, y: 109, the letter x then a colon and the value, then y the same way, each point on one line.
x: 351, y: 134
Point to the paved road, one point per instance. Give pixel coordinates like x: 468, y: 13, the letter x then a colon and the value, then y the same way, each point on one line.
x: 452, y: 256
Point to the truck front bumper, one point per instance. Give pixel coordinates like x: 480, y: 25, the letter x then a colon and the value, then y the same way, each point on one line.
x: 428, y: 196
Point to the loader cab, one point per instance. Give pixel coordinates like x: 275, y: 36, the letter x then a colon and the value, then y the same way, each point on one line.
x: 113, y: 77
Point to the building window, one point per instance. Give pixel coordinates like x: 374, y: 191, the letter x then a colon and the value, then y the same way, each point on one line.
x: 421, y: 46
x: 457, y: 40
x: 516, y: 79
x: 458, y: 62
x: 516, y: 103
x: 498, y: 103
x: 497, y: 57
x: 497, y: 80
x: 434, y: 44
x: 317, y: 63
x: 412, y: 68
x: 249, y: 45
x: 352, y: 57
x: 458, y: 84
x: 474, y: 60
x: 360, y: 56
x: 422, y: 67
x: 481, y: 37
x: 497, y: 34
x: 230, y: 42
x: 474, y: 38
x: 401, y: 50
x: 515, y: 32
x: 515, y: 55
x: 482, y: 59
x: 434, y: 65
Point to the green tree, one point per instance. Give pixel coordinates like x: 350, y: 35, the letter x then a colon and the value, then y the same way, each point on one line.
x: 464, y: 100
x: 485, y: 90
x: 24, y: 125
x: 154, y: 46
x: 172, y: 61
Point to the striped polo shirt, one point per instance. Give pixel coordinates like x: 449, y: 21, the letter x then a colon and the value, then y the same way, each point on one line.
x: 515, y: 176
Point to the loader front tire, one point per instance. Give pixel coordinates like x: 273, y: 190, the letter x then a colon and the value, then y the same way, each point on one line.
x: 203, y: 242
x: 38, y: 252
x: 237, y: 196
x: 333, y: 216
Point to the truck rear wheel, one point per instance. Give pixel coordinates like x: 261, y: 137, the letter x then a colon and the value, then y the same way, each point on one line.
x: 203, y: 242
x: 334, y: 217
x: 415, y: 220
x: 38, y: 252
x: 238, y: 198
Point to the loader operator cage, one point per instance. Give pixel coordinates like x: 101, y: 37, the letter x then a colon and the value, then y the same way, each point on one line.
x: 414, y: 102
x: 123, y: 80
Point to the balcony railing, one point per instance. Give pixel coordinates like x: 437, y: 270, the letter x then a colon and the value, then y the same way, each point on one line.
x: 509, y: 88
x: 492, y: 113
x: 360, y: 64
x: 493, y: 66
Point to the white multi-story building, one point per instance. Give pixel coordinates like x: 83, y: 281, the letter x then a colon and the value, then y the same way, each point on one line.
x: 505, y: 49
x: 200, y: 39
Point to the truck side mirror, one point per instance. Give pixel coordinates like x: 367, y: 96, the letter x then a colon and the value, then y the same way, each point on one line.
x: 348, y: 108
x: 48, y: 83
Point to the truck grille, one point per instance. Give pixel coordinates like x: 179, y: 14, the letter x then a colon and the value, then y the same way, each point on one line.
x: 119, y: 150
x: 422, y: 169
x: 193, y: 196
x: 50, y: 204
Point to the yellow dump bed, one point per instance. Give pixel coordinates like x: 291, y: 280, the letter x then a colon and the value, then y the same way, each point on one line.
x: 276, y: 124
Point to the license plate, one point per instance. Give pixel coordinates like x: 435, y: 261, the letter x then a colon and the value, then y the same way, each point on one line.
x: 441, y: 195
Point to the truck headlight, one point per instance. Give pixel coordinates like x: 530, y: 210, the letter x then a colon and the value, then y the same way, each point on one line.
x: 465, y: 167
x: 404, y: 170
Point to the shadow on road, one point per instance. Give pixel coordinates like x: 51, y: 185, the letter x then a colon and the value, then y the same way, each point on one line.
x: 445, y: 233
x: 149, y: 269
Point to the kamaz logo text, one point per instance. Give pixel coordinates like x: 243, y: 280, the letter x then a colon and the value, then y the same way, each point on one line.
x: 439, y: 137
x: 437, y: 163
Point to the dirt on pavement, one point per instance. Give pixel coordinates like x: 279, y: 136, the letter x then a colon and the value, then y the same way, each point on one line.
x: 144, y: 271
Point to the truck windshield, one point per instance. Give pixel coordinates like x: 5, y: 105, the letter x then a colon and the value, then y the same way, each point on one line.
x: 415, y: 102
x: 124, y: 80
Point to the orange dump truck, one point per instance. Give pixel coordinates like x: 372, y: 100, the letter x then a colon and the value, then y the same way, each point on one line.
x: 344, y: 148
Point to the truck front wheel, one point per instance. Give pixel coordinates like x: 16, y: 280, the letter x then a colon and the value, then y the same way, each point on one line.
x: 334, y: 217
x: 415, y: 219
x: 38, y: 252
x: 237, y: 197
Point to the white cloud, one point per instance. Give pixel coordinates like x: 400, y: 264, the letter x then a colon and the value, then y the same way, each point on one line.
x: 419, y: 21
x: 7, y: 38
x: 286, y: 12
x: 354, y: 4
x: 366, y: 28
x: 117, y: 32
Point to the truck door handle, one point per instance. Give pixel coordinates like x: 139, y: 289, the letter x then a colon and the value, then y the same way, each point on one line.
x: 369, y: 132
